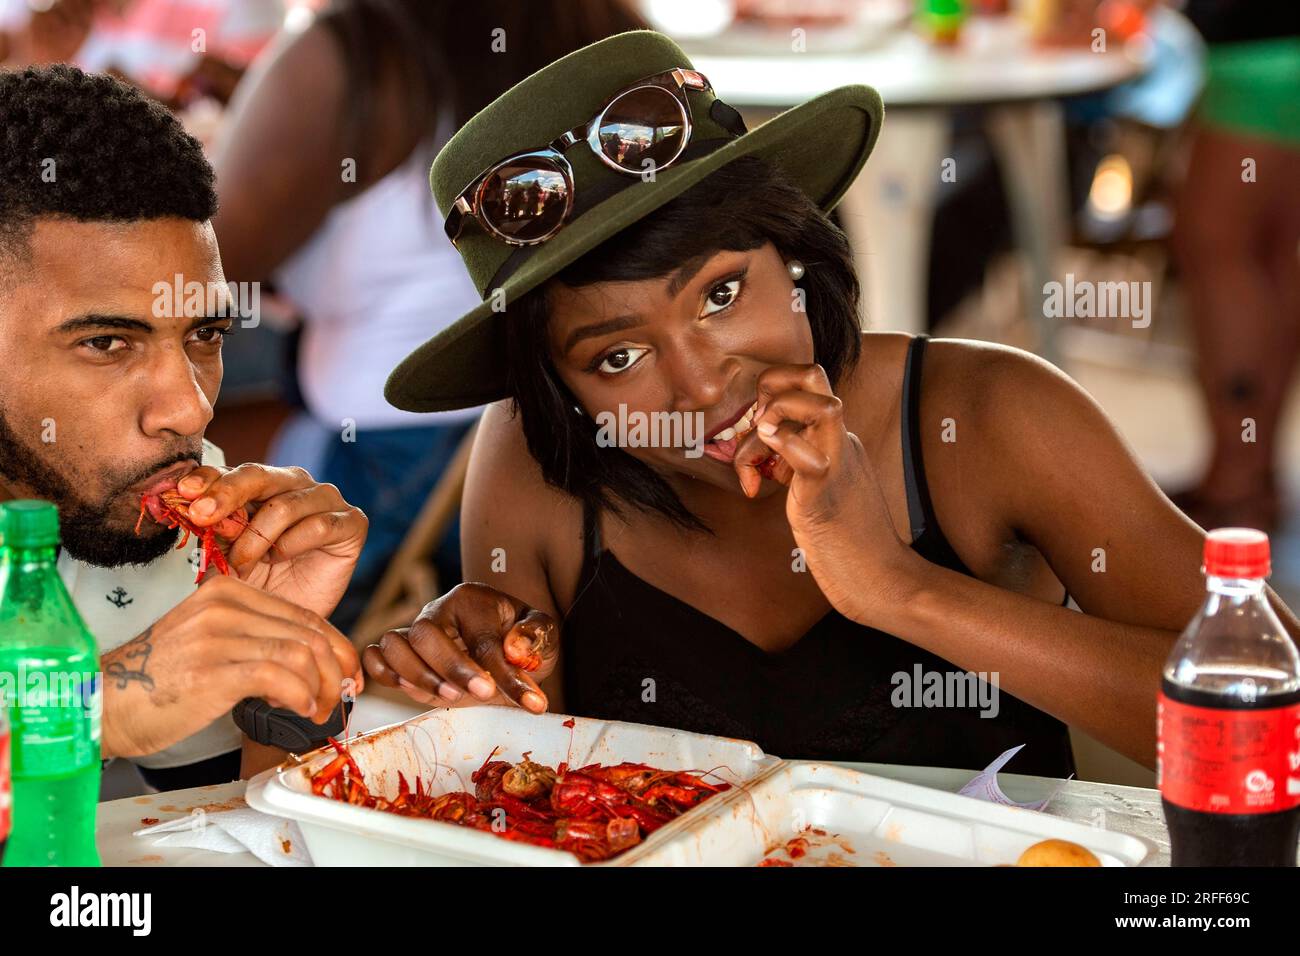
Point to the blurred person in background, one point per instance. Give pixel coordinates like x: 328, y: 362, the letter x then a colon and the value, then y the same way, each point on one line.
x: 1237, y: 239
x: 323, y: 173
x: 177, y: 51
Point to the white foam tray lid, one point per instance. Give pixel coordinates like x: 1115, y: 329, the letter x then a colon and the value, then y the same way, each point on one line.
x: 850, y: 818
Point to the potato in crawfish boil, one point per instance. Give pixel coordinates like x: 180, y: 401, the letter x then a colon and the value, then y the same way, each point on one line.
x: 527, y: 779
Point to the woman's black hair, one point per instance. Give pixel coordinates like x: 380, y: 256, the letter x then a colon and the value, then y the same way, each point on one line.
x: 457, y: 55
x: 740, y: 206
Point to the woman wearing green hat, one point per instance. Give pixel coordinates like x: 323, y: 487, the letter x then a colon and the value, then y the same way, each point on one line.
x: 868, y: 559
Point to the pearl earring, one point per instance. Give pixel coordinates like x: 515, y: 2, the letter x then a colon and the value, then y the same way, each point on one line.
x: 795, y: 268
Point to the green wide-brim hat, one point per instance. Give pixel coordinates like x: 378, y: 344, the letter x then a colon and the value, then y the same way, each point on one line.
x: 820, y: 145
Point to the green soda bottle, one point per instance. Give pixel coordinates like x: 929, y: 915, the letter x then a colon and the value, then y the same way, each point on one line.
x: 941, y: 20
x: 51, y: 683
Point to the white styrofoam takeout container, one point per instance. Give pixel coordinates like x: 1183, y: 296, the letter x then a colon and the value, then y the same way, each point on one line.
x: 868, y: 820
x: 444, y: 746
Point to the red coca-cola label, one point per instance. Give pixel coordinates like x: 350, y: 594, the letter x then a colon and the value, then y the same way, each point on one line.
x: 6, y: 794
x: 1220, y: 760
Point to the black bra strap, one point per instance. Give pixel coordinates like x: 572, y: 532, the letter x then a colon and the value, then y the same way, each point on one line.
x: 918, y: 504
x: 590, y: 532
x: 920, y: 509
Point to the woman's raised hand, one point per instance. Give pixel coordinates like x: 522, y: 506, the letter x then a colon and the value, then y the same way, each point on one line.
x: 835, y: 505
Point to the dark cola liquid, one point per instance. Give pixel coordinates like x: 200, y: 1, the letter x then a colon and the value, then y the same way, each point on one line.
x: 1229, y: 839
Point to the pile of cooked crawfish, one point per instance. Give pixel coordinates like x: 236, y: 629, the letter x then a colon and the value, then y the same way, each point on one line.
x: 593, y: 812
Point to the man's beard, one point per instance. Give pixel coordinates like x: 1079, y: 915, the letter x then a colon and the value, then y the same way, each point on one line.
x: 84, y: 525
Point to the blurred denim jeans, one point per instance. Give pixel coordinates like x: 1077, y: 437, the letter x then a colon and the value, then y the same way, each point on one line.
x: 386, y: 472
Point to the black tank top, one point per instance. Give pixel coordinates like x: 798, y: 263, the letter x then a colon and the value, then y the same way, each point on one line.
x: 633, y: 652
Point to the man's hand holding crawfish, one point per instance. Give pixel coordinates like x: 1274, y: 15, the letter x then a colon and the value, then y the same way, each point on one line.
x: 291, y: 544
x: 289, y: 535
x: 225, y: 642
x: 835, y: 504
x: 474, y: 644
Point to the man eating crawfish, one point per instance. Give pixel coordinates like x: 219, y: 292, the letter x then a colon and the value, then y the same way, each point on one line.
x: 106, y: 388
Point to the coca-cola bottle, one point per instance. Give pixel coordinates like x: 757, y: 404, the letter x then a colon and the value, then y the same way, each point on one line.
x: 1228, y: 719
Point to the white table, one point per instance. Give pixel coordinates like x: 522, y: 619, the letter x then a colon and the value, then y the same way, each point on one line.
x: 888, y: 210
x: 1131, y: 810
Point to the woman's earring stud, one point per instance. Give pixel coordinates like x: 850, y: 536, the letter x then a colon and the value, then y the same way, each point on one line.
x: 795, y: 268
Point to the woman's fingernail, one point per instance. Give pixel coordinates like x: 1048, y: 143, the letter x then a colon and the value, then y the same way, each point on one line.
x: 448, y: 692
x: 766, y: 429
x: 205, y: 506
x: 534, y: 701
x: 412, y: 690
x: 482, y: 688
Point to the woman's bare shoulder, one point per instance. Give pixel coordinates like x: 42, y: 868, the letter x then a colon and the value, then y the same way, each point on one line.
x: 509, y: 505
x: 994, y: 383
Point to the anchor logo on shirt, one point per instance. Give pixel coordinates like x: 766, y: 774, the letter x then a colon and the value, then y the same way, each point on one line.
x: 116, y: 598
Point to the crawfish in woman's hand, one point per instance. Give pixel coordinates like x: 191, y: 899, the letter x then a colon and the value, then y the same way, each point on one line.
x: 594, y: 812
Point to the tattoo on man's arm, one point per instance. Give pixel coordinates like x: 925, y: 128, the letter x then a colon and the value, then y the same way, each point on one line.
x: 134, y: 659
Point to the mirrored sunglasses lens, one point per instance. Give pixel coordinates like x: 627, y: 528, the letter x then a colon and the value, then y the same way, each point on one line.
x: 525, y: 200
x: 646, y: 124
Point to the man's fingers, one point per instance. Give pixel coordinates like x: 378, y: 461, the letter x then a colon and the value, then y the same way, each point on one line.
x: 270, y: 616
x: 272, y: 682
x: 318, y: 531
x: 194, y: 483
x: 239, y: 486
x: 256, y: 599
x: 277, y: 515
x: 275, y: 642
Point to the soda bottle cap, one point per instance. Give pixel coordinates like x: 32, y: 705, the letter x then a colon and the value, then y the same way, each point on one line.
x: 1237, y: 553
x: 29, y: 524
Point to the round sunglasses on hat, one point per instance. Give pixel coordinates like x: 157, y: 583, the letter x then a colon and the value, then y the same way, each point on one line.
x: 525, y: 198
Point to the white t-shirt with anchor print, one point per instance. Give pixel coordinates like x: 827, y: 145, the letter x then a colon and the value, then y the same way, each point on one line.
x: 117, y: 604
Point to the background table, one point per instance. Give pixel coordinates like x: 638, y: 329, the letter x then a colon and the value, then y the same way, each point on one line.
x: 887, y: 212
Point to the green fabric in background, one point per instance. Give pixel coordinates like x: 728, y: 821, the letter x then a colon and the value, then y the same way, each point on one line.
x: 1253, y: 88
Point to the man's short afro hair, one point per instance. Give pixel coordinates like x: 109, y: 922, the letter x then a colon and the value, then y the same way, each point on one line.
x: 88, y: 147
